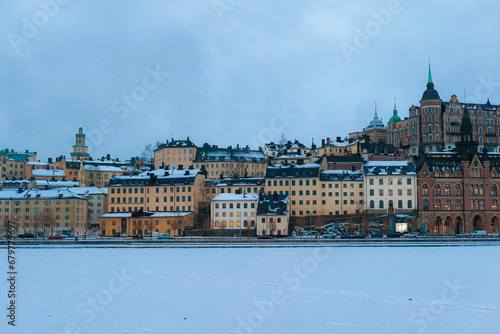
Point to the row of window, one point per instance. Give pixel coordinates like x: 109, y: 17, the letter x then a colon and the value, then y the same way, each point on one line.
x: 390, y: 192
x: 474, y: 190
x: 135, y: 209
x: 390, y: 181
x: 231, y: 223
x: 381, y: 204
x: 231, y: 214
x: 473, y: 205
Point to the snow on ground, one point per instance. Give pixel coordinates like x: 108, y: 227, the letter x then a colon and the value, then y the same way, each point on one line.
x: 69, y: 289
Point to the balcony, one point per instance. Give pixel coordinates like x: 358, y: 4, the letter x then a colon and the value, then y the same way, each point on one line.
x: 491, y: 134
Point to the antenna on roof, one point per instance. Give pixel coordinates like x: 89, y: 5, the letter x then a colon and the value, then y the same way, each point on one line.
x: 465, y: 94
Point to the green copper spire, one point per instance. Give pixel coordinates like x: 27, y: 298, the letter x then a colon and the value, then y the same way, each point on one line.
x: 430, y: 74
x: 395, y: 117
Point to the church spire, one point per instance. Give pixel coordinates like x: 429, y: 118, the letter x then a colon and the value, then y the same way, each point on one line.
x: 430, y: 74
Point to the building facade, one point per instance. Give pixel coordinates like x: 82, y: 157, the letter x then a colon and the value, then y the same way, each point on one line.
x: 272, y: 215
x: 234, y: 212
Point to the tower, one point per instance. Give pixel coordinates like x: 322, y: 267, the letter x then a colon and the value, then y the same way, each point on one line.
x: 467, y: 147
x: 431, y: 108
x: 80, y: 150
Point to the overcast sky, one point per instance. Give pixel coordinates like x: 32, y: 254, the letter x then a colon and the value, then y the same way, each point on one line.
x: 230, y: 71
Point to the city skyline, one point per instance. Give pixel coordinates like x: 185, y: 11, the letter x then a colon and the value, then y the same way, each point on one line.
x: 324, y: 67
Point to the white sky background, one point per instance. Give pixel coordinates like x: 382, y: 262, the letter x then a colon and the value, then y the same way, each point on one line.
x: 227, y: 73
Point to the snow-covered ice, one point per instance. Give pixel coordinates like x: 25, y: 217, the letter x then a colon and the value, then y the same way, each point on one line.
x: 256, y: 290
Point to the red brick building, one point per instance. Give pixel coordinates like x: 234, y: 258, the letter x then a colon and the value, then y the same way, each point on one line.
x: 458, y: 189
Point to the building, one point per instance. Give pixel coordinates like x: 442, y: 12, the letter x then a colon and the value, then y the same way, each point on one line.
x: 231, y: 162
x: 97, y: 199
x: 435, y: 124
x: 342, y: 162
x: 80, y: 150
x: 387, y: 182
x: 96, y: 173
x: 45, y: 184
x: 47, y: 211
x: 142, y: 223
x: 338, y: 147
x: 157, y: 191
x: 174, y: 153
x: 458, y: 188
x: 272, y: 215
x: 342, y: 192
x: 272, y: 150
x: 15, y: 184
x: 234, y: 213
x: 376, y: 129
x: 300, y: 182
x: 13, y: 164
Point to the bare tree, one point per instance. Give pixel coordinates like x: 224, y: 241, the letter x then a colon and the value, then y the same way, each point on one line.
x: 222, y: 227
x: 46, y: 221
x: 175, y: 226
x: 207, y: 226
x: 301, y: 224
x: 150, y: 225
x: 247, y: 226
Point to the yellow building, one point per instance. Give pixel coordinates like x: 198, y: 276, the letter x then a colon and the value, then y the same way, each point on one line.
x: 301, y: 183
x: 48, y: 211
x: 338, y: 147
x: 174, y: 153
x: 312, y: 192
x: 142, y: 223
x: 159, y: 190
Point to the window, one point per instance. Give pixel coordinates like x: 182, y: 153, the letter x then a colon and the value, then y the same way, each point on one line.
x: 400, y: 204
x: 409, y: 204
x: 437, y: 190
x: 372, y: 204
x: 425, y: 205
x: 381, y: 204
x: 458, y: 191
x: 494, y: 190
x: 425, y: 190
x: 447, y: 190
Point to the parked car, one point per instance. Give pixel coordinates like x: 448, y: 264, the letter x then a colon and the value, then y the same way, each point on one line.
x: 377, y: 235
x: 494, y: 234
x: 329, y: 236
x: 411, y: 235
x: 56, y: 236
x: 265, y: 237
x: 138, y: 236
x: 165, y: 236
x: 346, y: 236
x: 478, y: 233
x: 463, y: 235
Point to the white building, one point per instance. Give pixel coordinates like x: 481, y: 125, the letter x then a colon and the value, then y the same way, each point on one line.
x: 390, y: 181
x: 234, y: 212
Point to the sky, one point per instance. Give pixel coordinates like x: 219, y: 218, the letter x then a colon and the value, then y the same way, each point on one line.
x: 230, y: 72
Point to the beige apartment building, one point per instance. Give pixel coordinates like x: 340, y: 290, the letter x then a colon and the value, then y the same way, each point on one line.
x: 97, y: 199
x: 159, y: 190
x: 174, y: 153
x: 47, y: 211
x: 301, y: 183
x: 342, y: 192
x: 98, y: 173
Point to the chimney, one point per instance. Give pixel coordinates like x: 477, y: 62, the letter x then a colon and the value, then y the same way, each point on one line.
x: 50, y: 160
x: 339, y: 140
x: 180, y: 167
x: 322, y: 143
x: 328, y: 141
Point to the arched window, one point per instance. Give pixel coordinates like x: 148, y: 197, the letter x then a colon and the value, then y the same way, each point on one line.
x: 437, y: 128
x: 458, y: 204
x: 425, y: 205
x: 430, y: 127
x: 476, y: 190
x: 447, y: 205
x: 400, y: 204
x: 471, y: 190
x: 437, y: 205
x: 409, y: 204
x: 372, y: 204
x: 481, y: 190
x: 458, y: 191
x: 381, y: 204
x: 425, y: 190
x: 493, y: 190
x: 447, y: 190
x: 437, y: 190
x: 494, y: 204
x: 476, y: 204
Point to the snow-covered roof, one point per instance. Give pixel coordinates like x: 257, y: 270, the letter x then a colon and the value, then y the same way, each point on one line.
x: 34, y: 193
x: 15, y: 183
x: 236, y: 197
x: 396, y: 167
x: 164, y: 177
x: 148, y: 214
x: 49, y: 172
x: 56, y: 183
x: 85, y: 191
x: 243, y: 181
x: 107, y: 168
